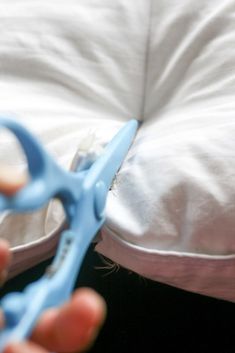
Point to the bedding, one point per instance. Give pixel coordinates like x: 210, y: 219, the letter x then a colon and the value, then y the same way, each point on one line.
x: 75, y: 68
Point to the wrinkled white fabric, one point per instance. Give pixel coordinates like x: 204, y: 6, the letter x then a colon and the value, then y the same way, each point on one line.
x: 70, y: 68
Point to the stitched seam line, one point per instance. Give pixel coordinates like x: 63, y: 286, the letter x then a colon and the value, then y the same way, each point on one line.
x: 147, y: 51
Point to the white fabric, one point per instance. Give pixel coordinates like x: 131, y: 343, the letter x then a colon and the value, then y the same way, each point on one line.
x: 71, y: 67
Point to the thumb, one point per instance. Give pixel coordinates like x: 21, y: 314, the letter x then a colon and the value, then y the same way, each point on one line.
x: 11, y: 180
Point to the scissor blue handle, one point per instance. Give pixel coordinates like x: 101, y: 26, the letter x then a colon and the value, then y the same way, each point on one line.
x: 47, y: 178
x: 84, y: 202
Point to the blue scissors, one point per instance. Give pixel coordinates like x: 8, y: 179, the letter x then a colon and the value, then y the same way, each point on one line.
x: 83, y: 194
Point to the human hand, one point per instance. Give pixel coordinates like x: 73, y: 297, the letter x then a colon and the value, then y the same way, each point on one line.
x: 71, y: 328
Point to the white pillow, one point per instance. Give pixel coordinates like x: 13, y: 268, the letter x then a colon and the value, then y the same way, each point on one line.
x: 91, y: 65
x: 67, y: 70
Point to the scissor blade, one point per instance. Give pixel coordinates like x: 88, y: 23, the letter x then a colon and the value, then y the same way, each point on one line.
x: 106, y: 167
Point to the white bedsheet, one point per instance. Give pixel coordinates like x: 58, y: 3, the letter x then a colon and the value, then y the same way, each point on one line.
x: 68, y: 68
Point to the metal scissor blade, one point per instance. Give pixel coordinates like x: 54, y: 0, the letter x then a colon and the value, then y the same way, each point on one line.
x: 108, y: 164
